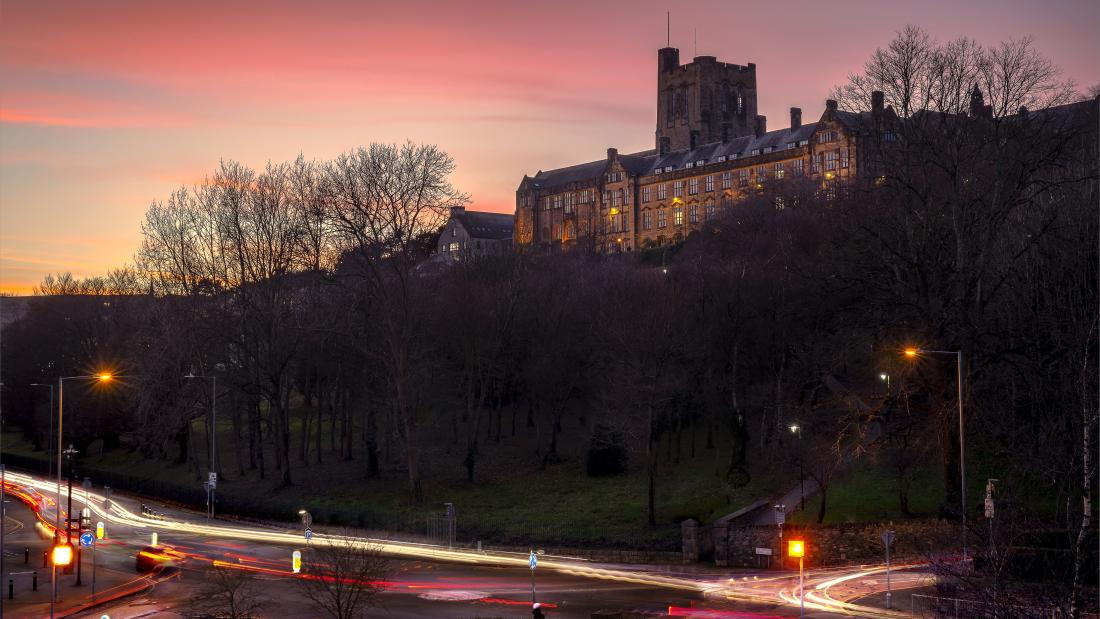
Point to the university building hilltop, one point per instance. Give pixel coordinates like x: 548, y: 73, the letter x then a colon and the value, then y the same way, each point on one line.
x: 711, y: 149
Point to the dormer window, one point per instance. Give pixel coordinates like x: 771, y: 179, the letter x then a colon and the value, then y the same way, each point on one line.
x: 803, y: 142
x: 689, y: 165
x: 721, y: 158
x: 701, y: 162
x: 668, y: 168
x: 791, y: 144
x: 767, y: 149
x: 756, y: 151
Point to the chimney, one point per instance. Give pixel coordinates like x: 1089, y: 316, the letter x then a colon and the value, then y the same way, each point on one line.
x: 796, y: 118
x: 668, y: 59
x: 878, y: 101
x: 458, y: 210
x: 761, y: 125
x: 612, y: 153
x: 830, y: 105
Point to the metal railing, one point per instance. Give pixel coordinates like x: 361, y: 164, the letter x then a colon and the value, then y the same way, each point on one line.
x: 934, y: 607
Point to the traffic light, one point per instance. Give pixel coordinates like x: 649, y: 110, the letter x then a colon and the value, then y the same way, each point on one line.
x: 796, y: 548
x: 62, y: 555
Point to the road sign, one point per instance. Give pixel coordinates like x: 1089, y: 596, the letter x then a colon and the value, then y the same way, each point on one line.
x: 764, y: 551
x: 86, y: 538
x: 99, y: 530
x: 780, y: 514
x: 212, y: 479
x: 296, y: 561
x: 888, y: 538
x: 533, y: 560
x: 309, y: 534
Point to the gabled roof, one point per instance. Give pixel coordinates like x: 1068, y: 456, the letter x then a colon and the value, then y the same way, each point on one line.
x: 634, y: 163
x: 483, y: 225
x: 733, y: 149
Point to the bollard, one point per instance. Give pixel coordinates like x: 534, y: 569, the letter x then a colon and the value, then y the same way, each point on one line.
x: 11, y: 588
x: 34, y: 580
x: 44, y: 555
x: 26, y: 555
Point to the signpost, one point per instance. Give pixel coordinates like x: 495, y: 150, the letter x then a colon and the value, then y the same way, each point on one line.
x: 797, y: 548
x: 533, y: 561
x: 887, y: 539
x: 106, y: 507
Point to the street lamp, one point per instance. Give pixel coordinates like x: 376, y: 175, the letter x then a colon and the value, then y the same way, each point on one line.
x: 797, y: 548
x: 212, y: 479
x: 912, y: 353
x: 884, y: 377
x: 102, y: 377
x: 797, y: 429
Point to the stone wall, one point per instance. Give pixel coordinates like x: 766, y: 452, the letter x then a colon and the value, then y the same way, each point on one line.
x: 830, y: 545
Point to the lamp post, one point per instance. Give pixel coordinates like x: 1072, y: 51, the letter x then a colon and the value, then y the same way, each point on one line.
x: 60, y: 554
x: 797, y: 548
x: 797, y: 430
x: 211, y: 484
x: 49, y: 435
x: 913, y: 353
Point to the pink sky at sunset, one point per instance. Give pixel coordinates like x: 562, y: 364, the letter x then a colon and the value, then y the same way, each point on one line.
x: 107, y: 106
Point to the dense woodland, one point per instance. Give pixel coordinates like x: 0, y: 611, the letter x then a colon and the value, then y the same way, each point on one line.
x: 306, y: 289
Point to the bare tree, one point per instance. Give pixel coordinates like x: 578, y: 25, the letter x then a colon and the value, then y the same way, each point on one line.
x: 343, y: 575
x: 230, y: 593
x: 917, y: 73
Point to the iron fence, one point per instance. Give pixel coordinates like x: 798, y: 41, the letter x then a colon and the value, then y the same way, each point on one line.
x: 934, y: 607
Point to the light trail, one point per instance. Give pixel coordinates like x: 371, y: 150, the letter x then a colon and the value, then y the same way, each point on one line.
x: 761, y: 590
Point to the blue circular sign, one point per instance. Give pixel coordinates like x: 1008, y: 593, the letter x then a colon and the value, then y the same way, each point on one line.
x: 86, y: 538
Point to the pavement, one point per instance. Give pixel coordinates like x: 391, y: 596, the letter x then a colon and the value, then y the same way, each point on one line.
x: 431, y: 581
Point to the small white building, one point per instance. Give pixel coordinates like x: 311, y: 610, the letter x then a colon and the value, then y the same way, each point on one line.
x: 475, y: 234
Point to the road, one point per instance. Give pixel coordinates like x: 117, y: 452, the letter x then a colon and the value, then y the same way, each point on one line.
x: 431, y: 581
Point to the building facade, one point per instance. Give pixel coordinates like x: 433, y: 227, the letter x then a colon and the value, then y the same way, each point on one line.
x: 712, y: 149
x: 475, y: 234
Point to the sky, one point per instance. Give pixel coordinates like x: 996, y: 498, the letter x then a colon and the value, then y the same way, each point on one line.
x: 107, y: 106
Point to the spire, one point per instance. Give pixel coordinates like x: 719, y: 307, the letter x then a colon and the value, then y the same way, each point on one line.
x: 977, y: 101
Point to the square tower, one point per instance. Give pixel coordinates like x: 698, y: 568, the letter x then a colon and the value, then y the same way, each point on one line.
x: 703, y: 101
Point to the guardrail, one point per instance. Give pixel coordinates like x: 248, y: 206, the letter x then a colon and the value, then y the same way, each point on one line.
x: 934, y: 607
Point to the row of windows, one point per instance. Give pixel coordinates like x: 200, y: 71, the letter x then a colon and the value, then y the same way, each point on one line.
x: 677, y: 216
x: 833, y: 160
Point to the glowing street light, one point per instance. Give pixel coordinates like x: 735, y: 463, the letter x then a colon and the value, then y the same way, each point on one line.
x: 913, y: 353
x: 62, y: 554
x: 797, y: 548
x: 797, y: 429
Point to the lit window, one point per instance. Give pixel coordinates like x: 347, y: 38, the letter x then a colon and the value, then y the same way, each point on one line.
x: 779, y: 170
x: 830, y: 160
x: 761, y: 174
x: 678, y: 216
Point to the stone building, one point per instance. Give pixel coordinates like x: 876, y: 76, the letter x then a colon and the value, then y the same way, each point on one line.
x: 711, y: 150
x: 475, y: 234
